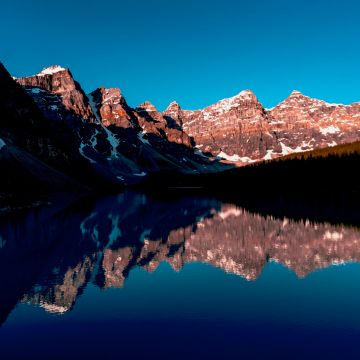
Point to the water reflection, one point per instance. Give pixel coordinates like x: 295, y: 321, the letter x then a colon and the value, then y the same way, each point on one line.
x: 48, y: 257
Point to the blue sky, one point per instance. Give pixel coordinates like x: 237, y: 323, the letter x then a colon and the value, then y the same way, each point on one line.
x: 194, y: 51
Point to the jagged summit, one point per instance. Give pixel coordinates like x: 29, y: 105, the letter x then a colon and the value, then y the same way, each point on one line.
x: 242, y: 95
x: 297, y: 98
x: 245, y: 94
x: 237, y: 128
x: 112, y: 107
x: 296, y: 92
x: 173, y: 108
x: 146, y: 106
x: 109, y: 94
x: 58, y: 80
x: 173, y: 104
x: 52, y: 70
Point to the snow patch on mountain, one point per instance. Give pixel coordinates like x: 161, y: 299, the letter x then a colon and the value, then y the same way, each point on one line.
x: 141, y: 138
x: 81, y: 151
x: 234, y: 158
x: 93, y: 139
x: 51, y: 70
x: 2, y: 143
x: 229, y: 103
x: 114, y: 142
x: 36, y: 90
x: 93, y: 108
x: 269, y: 154
x: 329, y: 130
x: 285, y: 150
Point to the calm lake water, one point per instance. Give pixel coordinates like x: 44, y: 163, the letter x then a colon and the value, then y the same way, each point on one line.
x: 134, y: 277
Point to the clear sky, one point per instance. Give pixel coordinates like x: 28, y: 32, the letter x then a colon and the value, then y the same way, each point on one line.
x: 194, y: 51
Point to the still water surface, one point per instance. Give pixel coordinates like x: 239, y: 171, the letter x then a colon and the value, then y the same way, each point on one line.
x: 130, y: 276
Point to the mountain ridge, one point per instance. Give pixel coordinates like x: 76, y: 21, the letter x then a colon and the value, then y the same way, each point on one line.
x: 99, y: 138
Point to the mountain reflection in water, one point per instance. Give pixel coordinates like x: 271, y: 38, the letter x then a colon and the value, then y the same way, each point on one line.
x: 53, y: 256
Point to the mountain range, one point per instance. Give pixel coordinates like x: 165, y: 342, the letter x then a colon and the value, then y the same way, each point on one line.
x: 58, y: 138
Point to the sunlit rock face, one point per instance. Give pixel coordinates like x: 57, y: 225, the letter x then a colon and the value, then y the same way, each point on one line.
x: 154, y: 122
x: 116, y: 144
x: 220, y: 127
x: 235, y: 130
x: 59, y: 81
x: 112, y: 107
x: 240, y: 129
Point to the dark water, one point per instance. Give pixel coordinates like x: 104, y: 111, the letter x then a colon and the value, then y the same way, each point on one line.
x: 132, y: 277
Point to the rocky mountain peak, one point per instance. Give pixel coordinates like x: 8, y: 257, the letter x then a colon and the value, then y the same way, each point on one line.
x: 246, y: 95
x: 173, y: 114
x: 219, y: 128
x: 109, y: 95
x: 52, y: 70
x: 111, y: 105
x: 173, y: 110
x: 298, y: 100
x: 173, y: 106
x: 237, y: 129
x: 146, y: 106
x: 59, y: 81
x: 244, y: 98
x: 295, y: 93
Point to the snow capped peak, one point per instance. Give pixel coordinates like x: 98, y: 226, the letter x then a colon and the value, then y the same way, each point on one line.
x: 146, y: 106
x: 232, y: 102
x: 110, y: 93
x: 242, y: 95
x: 51, y: 70
x: 295, y: 92
x: 174, y: 105
x: 246, y: 94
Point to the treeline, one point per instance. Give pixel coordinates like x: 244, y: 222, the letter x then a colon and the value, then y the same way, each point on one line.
x: 322, y: 184
x: 339, y: 151
x: 317, y: 169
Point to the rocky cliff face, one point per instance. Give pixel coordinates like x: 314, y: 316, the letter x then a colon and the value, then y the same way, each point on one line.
x: 227, y: 125
x: 31, y: 148
x: 59, y: 81
x: 122, y: 145
x: 119, y: 144
x: 112, y: 108
x: 240, y: 129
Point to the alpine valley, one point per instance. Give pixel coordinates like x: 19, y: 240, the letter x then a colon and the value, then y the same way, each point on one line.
x: 56, y: 138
